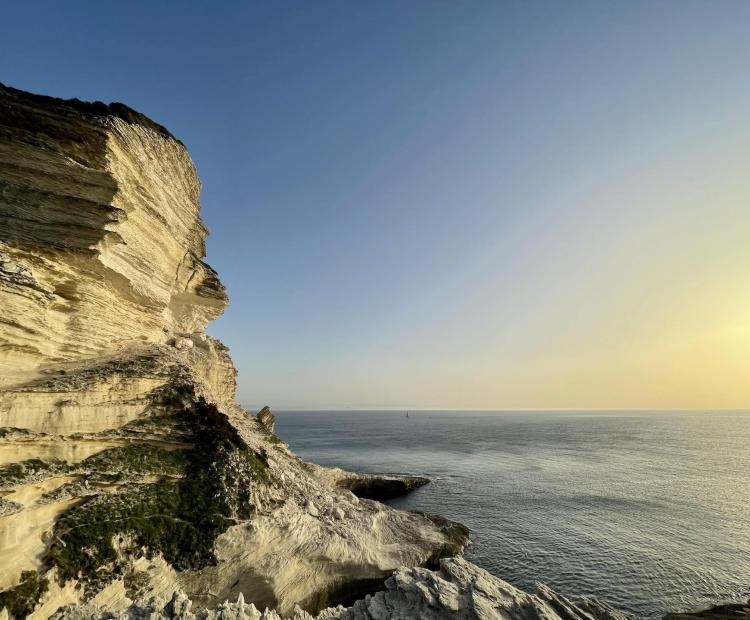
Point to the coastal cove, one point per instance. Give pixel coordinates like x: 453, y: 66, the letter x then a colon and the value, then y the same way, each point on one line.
x: 645, y: 510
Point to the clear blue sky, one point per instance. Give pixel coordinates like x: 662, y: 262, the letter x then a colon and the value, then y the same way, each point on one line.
x: 447, y: 204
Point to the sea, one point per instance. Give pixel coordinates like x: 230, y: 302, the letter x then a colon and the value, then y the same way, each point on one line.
x: 648, y: 511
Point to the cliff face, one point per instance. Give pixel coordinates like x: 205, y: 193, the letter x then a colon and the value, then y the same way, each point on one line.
x: 100, y: 236
x: 126, y: 469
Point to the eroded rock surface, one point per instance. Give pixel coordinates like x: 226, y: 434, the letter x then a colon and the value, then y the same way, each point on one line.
x: 101, y: 243
x: 458, y: 589
x: 266, y: 419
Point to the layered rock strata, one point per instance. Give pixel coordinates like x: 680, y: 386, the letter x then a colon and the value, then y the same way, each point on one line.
x: 101, y: 242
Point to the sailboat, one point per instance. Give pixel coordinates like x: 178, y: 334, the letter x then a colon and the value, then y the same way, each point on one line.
x: 407, y: 414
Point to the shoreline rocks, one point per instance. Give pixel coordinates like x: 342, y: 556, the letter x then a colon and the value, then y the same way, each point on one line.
x: 457, y: 589
x: 381, y: 486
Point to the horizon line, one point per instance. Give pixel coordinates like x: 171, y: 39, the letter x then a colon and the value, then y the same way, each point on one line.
x: 513, y: 410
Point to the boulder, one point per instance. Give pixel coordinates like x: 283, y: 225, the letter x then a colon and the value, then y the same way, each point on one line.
x: 266, y: 419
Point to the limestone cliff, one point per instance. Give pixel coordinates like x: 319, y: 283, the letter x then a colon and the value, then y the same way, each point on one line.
x: 100, y: 237
x: 127, y: 472
x: 126, y: 469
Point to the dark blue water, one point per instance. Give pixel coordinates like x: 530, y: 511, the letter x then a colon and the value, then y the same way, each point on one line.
x: 649, y: 512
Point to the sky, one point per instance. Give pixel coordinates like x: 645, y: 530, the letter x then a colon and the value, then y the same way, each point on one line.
x: 455, y: 205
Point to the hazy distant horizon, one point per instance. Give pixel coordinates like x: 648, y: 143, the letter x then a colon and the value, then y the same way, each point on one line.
x: 593, y: 410
x: 487, y: 205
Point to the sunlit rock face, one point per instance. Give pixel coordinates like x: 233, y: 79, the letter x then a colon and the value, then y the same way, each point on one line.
x: 127, y: 471
x: 101, y: 242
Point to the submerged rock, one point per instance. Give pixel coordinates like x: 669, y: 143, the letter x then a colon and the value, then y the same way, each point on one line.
x: 732, y: 611
x: 381, y: 486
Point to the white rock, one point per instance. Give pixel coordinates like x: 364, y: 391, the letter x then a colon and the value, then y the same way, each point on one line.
x: 312, y: 509
x: 183, y: 343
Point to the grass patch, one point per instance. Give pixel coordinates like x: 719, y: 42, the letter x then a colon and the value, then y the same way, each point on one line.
x: 163, y: 517
x: 179, y: 519
x: 21, y: 600
x: 135, y: 583
x: 138, y: 459
x: 16, y: 473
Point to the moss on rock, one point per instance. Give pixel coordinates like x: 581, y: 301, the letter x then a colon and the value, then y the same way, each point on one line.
x: 179, y: 518
x: 138, y: 459
x: 21, y: 600
x: 18, y: 473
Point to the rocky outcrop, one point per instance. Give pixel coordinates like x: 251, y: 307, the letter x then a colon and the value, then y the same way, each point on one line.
x: 736, y: 611
x: 266, y: 419
x: 126, y: 469
x: 381, y: 486
x: 457, y: 590
x: 101, y: 242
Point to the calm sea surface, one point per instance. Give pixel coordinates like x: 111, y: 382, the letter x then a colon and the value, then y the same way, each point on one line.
x: 649, y: 512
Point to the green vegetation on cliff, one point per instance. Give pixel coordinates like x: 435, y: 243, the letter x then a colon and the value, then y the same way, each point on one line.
x: 203, y: 491
x: 139, y: 459
x: 18, y: 473
x: 21, y: 600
